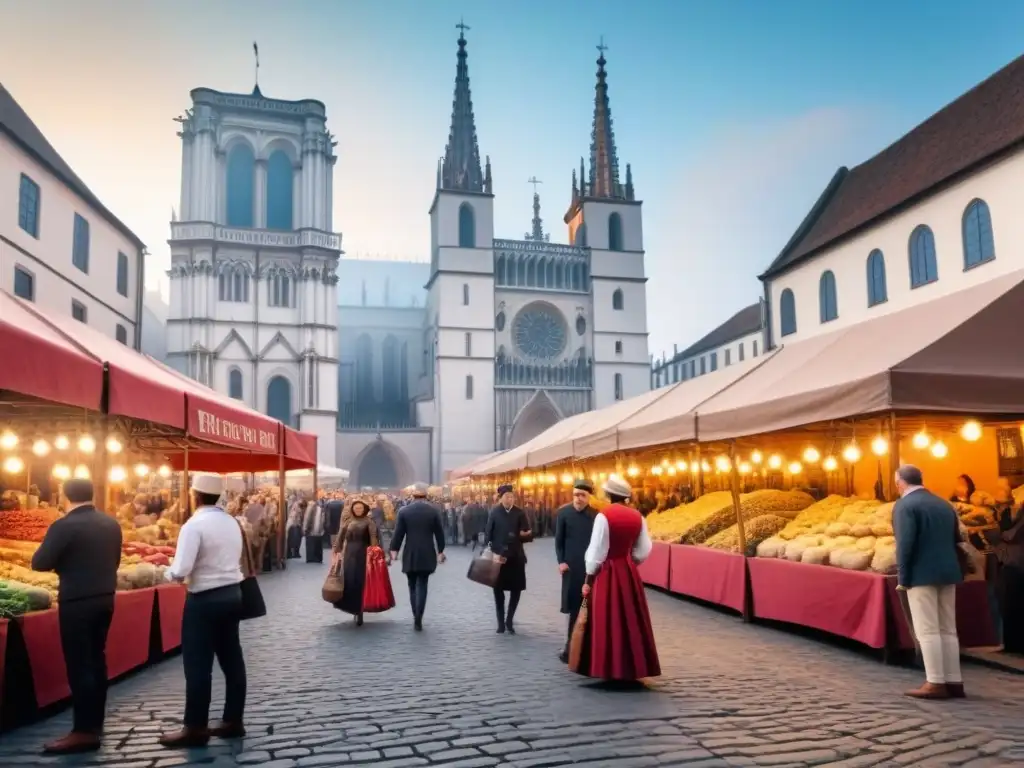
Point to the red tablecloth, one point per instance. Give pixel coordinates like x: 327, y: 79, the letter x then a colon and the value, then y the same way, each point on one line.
x: 655, y: 569
x: 171, y: 599
x: 41, y: 633
x: 708, y: 574
x: 846, y: 603
x: 973, y: 619
x: 128, y: 641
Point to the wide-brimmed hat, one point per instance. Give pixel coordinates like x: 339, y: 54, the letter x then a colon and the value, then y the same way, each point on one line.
x: 212, y: 485
x: 616, y: 486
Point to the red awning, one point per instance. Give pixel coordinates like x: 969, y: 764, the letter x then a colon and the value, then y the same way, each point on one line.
x: 299, y: 446
x: 35, y: 360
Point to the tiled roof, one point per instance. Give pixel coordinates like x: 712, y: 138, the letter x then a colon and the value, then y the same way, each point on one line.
x: 19, y: 126
x: 743, y: 323
x: 983, y: 123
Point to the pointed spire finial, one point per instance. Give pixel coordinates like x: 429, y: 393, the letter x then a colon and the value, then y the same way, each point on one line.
x: 604, y: 160
x: 537, y: 232
x: 487, y: 176
x: 460, y: 169
x: 583, y: 182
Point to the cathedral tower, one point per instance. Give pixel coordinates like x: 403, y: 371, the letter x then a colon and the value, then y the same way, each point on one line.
x: 460, y: 311
x: 606, y: 217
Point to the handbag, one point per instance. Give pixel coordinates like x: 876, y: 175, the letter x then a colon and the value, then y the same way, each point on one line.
x: 377, y: 593
x: 253, y: 605
x: 334, y: 586
x: 485, y: 568
x: 579, y: 637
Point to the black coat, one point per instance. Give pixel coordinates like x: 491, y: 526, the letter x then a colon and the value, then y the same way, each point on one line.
x: 84, y: 549
x: 334, y: 510
x: 572, y: 537
x: 420, y: 528
x: 502, y: 533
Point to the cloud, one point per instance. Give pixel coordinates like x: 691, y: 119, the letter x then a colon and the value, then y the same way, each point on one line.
x: 728, y: 209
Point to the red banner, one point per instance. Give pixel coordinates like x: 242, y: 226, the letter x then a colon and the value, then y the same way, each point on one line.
x: 243, y: 429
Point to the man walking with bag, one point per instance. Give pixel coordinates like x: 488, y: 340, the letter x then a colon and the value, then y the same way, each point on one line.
x: 573, y: 527
x: 421, y: 529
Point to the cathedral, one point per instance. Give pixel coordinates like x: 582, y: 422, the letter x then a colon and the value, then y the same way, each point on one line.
x: 405, y: 370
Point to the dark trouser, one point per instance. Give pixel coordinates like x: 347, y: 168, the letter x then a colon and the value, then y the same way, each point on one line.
x: 84, y: 625
x: 294, y: 541
x: 417, y: 592
x: 209, y: 628
x: 314, y: 549
x: 499, y: 605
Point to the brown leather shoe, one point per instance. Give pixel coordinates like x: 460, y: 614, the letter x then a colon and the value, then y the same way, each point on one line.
x: 186, y: 737
x: 929, y: 691
x: 75, y: 742
x: 956, y: 690
x: 223, y: 730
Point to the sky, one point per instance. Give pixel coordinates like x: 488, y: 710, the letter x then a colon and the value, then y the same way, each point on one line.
x: 734, y: 114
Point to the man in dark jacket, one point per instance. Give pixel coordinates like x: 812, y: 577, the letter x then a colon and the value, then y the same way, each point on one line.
x: 333, y: 510
x: 573, y: 527
x: 84, y: 549
x: 927, y: 536
x: 420, y: 528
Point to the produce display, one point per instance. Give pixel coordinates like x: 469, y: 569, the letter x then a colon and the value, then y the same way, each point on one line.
x: 713, y: 513
x: 26, y: 524
x: 756, y: 530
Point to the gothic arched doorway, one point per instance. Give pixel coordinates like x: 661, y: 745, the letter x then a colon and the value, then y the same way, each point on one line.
x: 539, y: 414
x: 382, y: 465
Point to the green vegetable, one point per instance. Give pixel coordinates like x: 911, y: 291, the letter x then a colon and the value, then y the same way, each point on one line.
x: 13, y: 603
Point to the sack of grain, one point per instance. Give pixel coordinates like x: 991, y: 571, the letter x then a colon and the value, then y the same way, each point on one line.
x: 773, y: 547
x: 881, y: 529
x: 860, y: 530
x: 867, y: 544
x: 884, y: 560
x: 815, y: 555
x: 838, y: 529
x: 851, y: 559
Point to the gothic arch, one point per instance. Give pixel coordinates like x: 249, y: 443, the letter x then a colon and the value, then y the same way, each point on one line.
x: 280, y: 144
x: 240, y: 182
x: 365, y: 390
x: 279, y: 191
x: 279, y: 399
x: 382, y: 464
x: 539, y: 413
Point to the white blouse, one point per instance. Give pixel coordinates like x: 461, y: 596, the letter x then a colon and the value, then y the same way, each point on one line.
x: 597, y: 552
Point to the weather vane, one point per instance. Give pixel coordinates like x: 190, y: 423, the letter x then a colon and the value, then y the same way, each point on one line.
x: 535, y: 181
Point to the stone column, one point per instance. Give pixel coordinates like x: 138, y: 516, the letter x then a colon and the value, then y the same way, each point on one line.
x: 185, y: 205
x: 220, y: 173
x: 259, y: 218
x: 297, y: 195
x: 329, y: 218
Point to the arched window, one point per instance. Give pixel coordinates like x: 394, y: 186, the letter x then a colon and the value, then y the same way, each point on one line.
x: 877, y: 292
x: 787, y: 313
x: 233, y: 284
x: 618, y: 386
x: 279, y: 191
x: 923, y: 267
x: 469, y: 387
x: 617, y: 302
x: 979, y: 244
x: 828, y: 304
x: 364, y: 371
x: 279, y: 290
x: 403, y: 374
x: 241, y: 178
x: 279, y: 399
x: 390, y: 378
x: 499, y: 271
x: 235, y: 384
x: 467, y: 226
x: 615, y: 232
x: 465, y: 294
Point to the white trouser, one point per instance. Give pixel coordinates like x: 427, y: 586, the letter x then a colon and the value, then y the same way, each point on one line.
x: 933, y: 610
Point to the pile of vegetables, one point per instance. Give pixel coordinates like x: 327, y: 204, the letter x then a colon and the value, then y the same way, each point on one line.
x: 140, y: 576
x: 134, y: 552
x: 26, y: 524
x: 17, y: 599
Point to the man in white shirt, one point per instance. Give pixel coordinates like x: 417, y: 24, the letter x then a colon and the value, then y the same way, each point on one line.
x: 208, y: 559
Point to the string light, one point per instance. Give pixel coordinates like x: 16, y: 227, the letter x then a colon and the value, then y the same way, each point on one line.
x: 879, y: 446
x: 633, y: 470
x: 164, y: 471
x: 774, y: 461
x: 40, y: 448
x: 694, y: 468
x: 82, y: 472
x: 851, y: 453
x: 114, y: 445
x: 61, y: 443
x: 795, y: 468
x: 744, y: 468
x: 830, y: 464
x: 755, y: 457
x: 671, y: 471
x: 921, y: 440
x: 141, y: 470
x: 971, y: 431
x: 61, y: 471
x: 939, y: 450
x: 8, y: 440
x: 117, y: 474
x: 656, y: 470
x: 811, y: 455
x: 566, y: 479
x: 705, y: 467
x: 13, y: 465
x: 722, y: 464
x: 86, y: 444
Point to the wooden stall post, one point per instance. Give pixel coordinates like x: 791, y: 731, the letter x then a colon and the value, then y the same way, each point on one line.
x: 282, y: 512
x: 700, y: 461
x: 101, y: 466
x: 894, y: 454
x: 183, y: 500
x: 734, y: 475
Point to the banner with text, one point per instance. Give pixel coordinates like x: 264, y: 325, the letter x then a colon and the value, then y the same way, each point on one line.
x: 217, y: 424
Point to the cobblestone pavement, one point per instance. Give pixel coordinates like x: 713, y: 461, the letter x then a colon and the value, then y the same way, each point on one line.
x: 326, y: 693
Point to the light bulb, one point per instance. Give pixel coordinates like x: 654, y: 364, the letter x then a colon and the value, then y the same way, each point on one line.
x: 695, y: 468
x: 921, y: 440
x: 61, y: 471
x: 566, y: 479
x: 633, y: 471
x: 830, y: 464
x: 114, y: 445
x: 795, y: 468
x: 86, y: 444
x: 705, y: 467
x: 8, y: 440
x: 755, y: 457
x: 744, y: 468
x: 971, y: 431
x: 141, y: 470
x: 61, y: 443
x: 671, y: 471
x: 164, y: 471
x: 722, y: 464
x: 117, y: 474
x: 40, y: 448
x: 82, y: 472
x: 774, y: 461
x: 879, y: 446
x: 681, y: 465
x: 939, y: 450
x: 851, y: 453
x: 656, y: 470
x: 13, y: 465
x: 811, y: 455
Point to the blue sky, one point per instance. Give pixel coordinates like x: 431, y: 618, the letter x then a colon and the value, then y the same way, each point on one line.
x: 734, y: 114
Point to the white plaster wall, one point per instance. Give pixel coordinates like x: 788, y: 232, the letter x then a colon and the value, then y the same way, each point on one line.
x: 636, y: 379
x: 595, y: 215
x: 48, y: 258
x: 465, y: 428
x: 632, y: 318
x: 445, y: 221
x: 999, y: 186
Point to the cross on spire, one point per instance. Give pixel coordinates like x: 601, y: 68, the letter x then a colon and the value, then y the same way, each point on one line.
x: 601, y: 46
x: 463, y: 28
x: 535, y: 181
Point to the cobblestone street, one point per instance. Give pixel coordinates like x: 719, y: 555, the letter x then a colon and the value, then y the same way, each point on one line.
x: 326, y: 693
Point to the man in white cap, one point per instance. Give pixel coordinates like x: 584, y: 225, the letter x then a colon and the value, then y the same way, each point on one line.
x: 208, y: 558
x: 421, y: 529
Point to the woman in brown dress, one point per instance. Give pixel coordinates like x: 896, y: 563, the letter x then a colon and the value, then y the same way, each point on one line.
x: 358, y: 538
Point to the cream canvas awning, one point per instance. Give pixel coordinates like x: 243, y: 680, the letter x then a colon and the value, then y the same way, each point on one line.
x: 516, y: 458
x: 468, y: 469
x: 963, y: 352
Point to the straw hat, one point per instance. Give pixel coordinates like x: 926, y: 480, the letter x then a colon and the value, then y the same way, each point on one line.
x: 616, y: 486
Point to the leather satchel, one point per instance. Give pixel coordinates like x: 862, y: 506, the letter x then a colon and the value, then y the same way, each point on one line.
x: 485, y: 568
x: 334, y: 586
x: 253, y: 605
x: 579, y: 637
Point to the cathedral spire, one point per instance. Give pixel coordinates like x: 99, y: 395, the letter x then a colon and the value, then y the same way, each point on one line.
x: 537, y: 233
x: 460, y: 169
x: 604, y: 160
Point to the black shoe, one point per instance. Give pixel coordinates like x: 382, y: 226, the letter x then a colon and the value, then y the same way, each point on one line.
x: 417, y: 624
x: 564, y: 657
x: 501, y: 628
x: 509, y: 627
x: 359, y: 620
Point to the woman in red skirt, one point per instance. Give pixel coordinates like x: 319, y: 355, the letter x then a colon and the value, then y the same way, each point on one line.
x: 619, y: 641
x: 359, y: 560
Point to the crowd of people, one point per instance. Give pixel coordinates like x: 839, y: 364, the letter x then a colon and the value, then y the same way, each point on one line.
x: 597, y: 552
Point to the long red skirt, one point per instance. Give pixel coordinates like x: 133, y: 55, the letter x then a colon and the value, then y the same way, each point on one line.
x: 377, y: 594
x: 620, y: 641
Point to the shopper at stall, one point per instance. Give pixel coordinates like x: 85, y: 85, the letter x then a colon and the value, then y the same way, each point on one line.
x: 313, y: 527
x: 1010, y: 551
x: 84, y: 549
x: 361, y: 574
x: 505, y: 532
x: 927, y: 536
x: 964, y: 490
x: 619, y: 641
x: 419, y: 535
x: 333, y: 510
x: 573, y: 527
x: 208, y: 559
